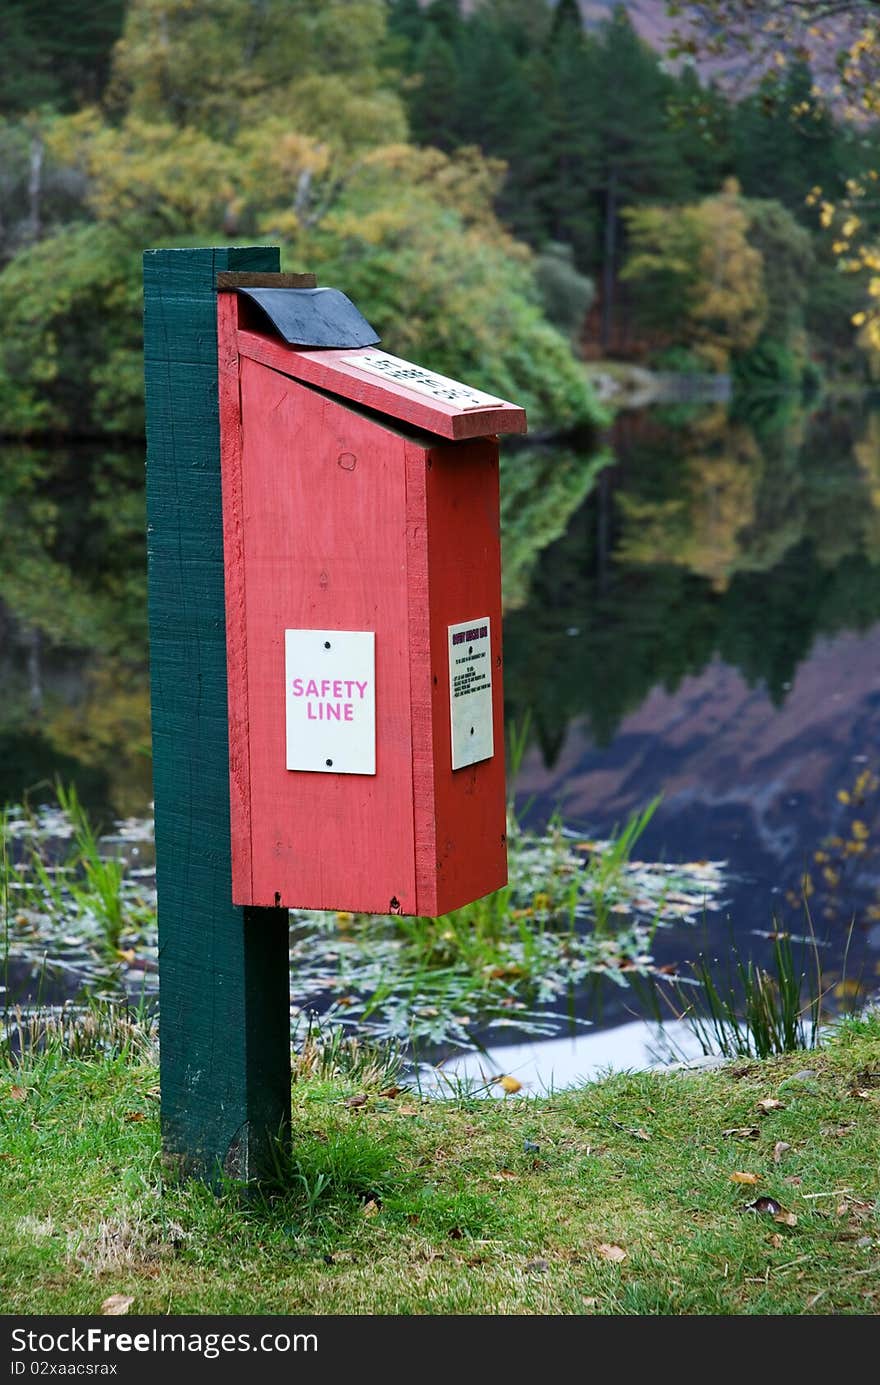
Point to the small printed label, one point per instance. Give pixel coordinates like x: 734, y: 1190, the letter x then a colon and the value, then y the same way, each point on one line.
x: 415, y: 377
x: 330, y: 700
x: 470, y: 692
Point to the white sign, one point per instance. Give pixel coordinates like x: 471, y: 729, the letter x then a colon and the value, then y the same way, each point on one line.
x: 330, y: 700
x: 414, y: 377
x: 470, y: 692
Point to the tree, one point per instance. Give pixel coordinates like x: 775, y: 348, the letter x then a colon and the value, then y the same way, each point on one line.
x: 634, y: 157
x: 702, y: 278
x: 785, y: 142
x: 56, y: 52
x: 779, y: 38
x: 433, y: 103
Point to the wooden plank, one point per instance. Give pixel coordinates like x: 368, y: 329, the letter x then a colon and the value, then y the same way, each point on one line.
x: 225, y: 1039
x: 228, y: 280
x: 321, y: 481
x: 329, y: 370
x: 464, y: 571
x: 422, y: 676
x: 234, y: 565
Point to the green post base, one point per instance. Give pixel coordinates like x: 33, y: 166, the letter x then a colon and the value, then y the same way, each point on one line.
x: 224, y: 997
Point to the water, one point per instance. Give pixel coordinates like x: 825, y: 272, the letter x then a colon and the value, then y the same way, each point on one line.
x: 692, y: 611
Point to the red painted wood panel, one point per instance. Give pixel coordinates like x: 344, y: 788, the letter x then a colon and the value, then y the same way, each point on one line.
x: 234, y: 575
x: 422, y: 675
x: 464, y: 581
x: 330, y: 370
x: 324, y: 547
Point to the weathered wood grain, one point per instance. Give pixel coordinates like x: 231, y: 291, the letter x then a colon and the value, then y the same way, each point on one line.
x: 225, y: 1047
x: 230, y: 280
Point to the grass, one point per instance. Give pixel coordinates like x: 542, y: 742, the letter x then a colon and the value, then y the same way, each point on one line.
x: 617, y: 1198
x: 741, y: 1009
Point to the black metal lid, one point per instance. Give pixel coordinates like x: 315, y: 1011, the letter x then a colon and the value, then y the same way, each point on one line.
x: 319, y: 318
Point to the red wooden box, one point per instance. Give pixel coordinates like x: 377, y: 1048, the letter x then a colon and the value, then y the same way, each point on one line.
x: 363, y: 590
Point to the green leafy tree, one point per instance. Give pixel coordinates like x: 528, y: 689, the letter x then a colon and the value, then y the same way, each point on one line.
x: 701, y: 277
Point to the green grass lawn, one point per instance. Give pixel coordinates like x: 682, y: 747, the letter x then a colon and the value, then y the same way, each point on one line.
x: 615, y: 1198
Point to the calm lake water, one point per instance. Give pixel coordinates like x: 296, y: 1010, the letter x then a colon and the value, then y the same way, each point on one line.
x: 691, y: 611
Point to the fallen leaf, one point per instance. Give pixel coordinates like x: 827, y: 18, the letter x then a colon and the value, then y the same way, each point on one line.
x: 861, y: 1094
x: 360, y: 1100
x: 116, y: 1304
x: 502, y: 1174
x: 127, y: 954
x: 18, y: 1093
x: 371, y: 1208
x: 407, y: 1110
x: 509, y: 1084
x: 613, y: 1253
x: 776, y: 1240
x: 741, y: 1132
x: 134, y: 1116
x: 590, y: 1302
x: 780, y: 1148
x: 770, y: 1103
x: 785, y: 1218
x: 391, y: 1092
x: 745, y: 1178
x: 537, y: 1266
x: 767, y: 1205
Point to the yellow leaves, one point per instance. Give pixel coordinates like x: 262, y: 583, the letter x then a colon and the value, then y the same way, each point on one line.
x: 850, y: 226
x: 826, y: 214
x: 784, y: 1218
x: 858, y: 319
x: 155, y: 171
x: 847, y: 989
x: 770, y: 1103
x: 859, y: 830
x: 509, y: 1084
x: 748, y: 1178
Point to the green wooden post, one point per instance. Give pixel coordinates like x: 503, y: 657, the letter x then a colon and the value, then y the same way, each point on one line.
x: 224, y: 997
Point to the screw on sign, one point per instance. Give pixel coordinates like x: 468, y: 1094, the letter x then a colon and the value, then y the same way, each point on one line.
x: 349, y: 646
